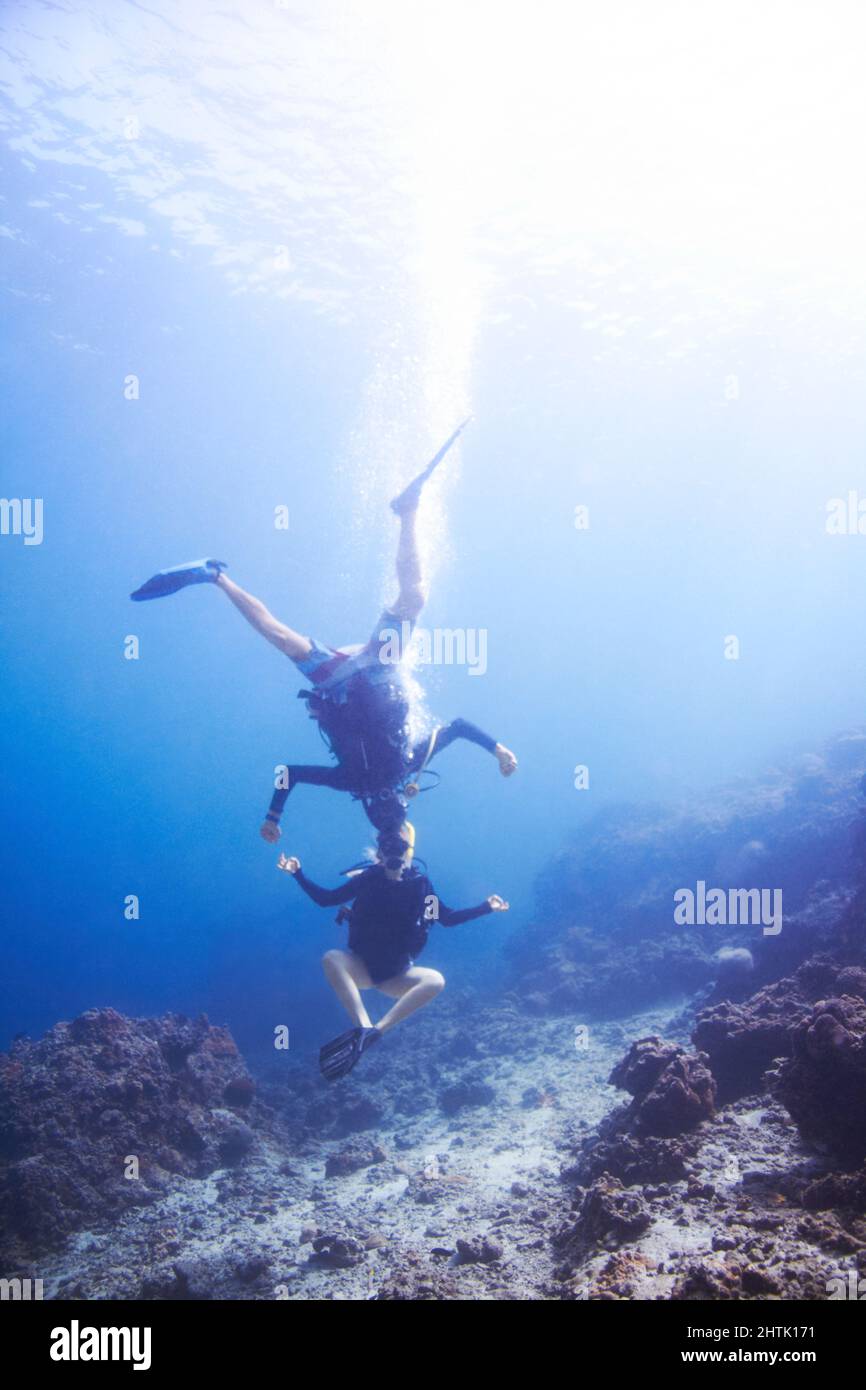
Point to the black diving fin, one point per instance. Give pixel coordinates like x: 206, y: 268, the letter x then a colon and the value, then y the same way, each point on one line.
x: 408, y: 499
x: 170, y: 581
x: 340, y: 1055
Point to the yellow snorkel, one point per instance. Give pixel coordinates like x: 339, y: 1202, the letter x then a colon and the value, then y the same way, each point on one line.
x: 397, y: 848
x: 408, y: 831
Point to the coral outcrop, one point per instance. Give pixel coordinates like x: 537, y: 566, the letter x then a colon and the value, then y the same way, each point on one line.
x: 743, y: 1040
x: 647, y: 1141
x: 673, y: 1091
x: 823, y: 1086
x: 98, y: 1114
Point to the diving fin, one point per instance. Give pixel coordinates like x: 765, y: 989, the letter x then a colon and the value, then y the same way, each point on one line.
x: 409, y: 498
x: 169, y: 581
x: 340, y: 1055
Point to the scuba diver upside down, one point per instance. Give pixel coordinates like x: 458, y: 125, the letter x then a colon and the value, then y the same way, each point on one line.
x: 393, y: 905
x: 358, y: 696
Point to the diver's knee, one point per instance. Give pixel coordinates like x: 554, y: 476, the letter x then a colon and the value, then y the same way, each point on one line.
x: 434, y: 983
x: 332, y: 962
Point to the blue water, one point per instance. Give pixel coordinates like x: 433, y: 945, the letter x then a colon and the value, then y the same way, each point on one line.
x: 699, y: 389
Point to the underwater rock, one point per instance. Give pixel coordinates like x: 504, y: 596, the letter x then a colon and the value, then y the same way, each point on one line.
x: 429, y: 1187
x: 735, y: 968
x: 649, y: 1140
x: 643, y: 1064
x: 742, y: 1040
x: 836, y: 1190
x: 765, y: 1221
x: 240, y: 1092
x: 673, y: 1091
x: 824, y: 1084
x: 233, y: 1137
x: 358, y: 1114
x: 633, y: 1160
x: 470, y: 1091
x: 337, y: 1251
x: 851, y: 980
x: 361, y: 1153
x: 172, y: 1285
x: 96, y: 1116
x: 409, y: 1281
x: 735, y: 1280
x: 479, y: 1250
x: 607, y: 1213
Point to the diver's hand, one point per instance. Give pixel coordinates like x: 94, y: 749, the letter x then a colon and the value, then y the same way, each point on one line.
x: 506, y: 759
x: 270, y: 831
x: 497, y: 904
x: 288, y: 866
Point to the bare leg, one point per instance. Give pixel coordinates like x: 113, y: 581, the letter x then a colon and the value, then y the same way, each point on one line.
x: 347, y: 975
x: 285, y: 639
x: 412, y: 991
x: 413, y: 594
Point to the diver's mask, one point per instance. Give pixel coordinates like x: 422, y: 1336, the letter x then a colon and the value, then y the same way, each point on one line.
x: 397, y: 847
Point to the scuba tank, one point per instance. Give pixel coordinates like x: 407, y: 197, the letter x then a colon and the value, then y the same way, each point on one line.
x: 366, y: 730
x: 381, y: 714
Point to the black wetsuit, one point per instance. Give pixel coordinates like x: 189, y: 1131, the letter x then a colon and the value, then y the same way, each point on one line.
x: 372, y: 772
x: 388, y: 921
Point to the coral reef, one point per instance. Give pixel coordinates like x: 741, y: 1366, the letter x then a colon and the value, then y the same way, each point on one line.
x: 98, y: 1115
x: 742, y: 1040
x: 823, y: 1086
x: 495, y: 1161
x: 608, y: 1212
x: 604, y: 940
x: 673, y: 1092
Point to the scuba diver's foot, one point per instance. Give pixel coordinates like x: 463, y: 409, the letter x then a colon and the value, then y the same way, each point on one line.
x: 169, y: 581
x: 409, y: 498
x: 506, y: 760
x: 340, y: 1055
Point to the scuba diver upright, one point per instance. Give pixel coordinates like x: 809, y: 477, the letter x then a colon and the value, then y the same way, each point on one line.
x: 358, y: 697
x: 393, y: 906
